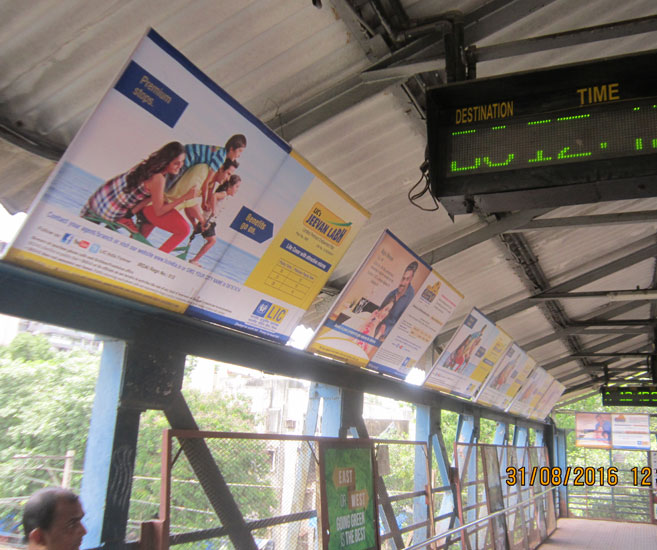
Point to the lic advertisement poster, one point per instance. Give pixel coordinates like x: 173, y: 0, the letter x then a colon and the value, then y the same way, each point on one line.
x: 630, y: 431
x: 349, y: 519
x: 548, y: 401
x: 388, y: 313
x: 461, y: 369
x: 531, y: 392
x: 174, y: 195
x: 506, y: 379
x: 593, y: 430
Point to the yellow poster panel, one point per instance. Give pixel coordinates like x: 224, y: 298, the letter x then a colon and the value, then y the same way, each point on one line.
x: 310, y: 243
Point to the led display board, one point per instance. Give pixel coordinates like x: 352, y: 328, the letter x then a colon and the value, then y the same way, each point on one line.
x: 574, y: 134
x: 629, y: 395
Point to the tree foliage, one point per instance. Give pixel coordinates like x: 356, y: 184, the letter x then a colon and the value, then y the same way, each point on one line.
x: 46, y: 399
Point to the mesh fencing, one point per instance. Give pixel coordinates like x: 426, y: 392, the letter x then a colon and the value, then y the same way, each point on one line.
x: 271, y: 481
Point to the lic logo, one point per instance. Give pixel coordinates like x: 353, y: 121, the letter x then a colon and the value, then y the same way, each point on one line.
x: 270, y: 311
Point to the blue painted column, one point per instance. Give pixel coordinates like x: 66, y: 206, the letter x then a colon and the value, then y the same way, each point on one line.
x: 331, y: 410
x: 520, y: 436
x: 421, y: 475
x: 110, y: 454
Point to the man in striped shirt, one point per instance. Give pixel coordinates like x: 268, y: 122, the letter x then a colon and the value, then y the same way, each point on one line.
x: 202, y: 163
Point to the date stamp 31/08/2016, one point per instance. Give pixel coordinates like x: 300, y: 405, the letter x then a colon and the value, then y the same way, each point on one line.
x: 578, y: 476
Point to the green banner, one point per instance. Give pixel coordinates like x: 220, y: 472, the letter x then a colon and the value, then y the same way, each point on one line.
x: 349, y: 498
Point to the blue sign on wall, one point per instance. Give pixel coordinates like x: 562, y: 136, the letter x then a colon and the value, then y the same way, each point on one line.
x: 140, y: 86
x: 253, y: 225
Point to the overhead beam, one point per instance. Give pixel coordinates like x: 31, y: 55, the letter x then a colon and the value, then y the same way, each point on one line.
x: 478, y: 24
x: 599, y: 347
x: 605, y: 312
x: 589, y: 221
x: 581, y: 280
x: 481, y: 235
x: 612, y: 354
x: 576, y: 282
x: 608, y: 31
x: 611, y: 295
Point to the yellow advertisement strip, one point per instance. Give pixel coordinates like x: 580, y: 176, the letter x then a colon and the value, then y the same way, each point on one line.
x: 492, y: 357
x: 308, y: 246
x: 296, y: 156
x: 63, y: 271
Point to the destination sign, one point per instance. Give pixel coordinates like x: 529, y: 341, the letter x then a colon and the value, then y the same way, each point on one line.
x: 505, y: 143
x: 629, y: 395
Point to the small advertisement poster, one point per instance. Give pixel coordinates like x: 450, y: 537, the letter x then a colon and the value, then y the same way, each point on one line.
x: 506, y: 379
x: 349, y: 519
x: 417, y: 327
x: 174, y: 195
x: 593, y: 430
x: 388, y: 313
x: 531, y: 392
x: 630, y: 431
x: 460, y: 365
x: 547, y: 402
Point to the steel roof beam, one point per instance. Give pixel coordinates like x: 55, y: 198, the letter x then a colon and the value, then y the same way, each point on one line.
x: 605, y: 312
x: 612, y: 295
x: 589, y: 221
x: 608, y: 31
x: 581, y: 280
x: 599, y: 347
x: 575, y: 282
x: 479, y: 24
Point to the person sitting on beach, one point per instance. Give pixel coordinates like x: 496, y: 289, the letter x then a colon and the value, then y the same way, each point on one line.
x: 122, y: 196
x: 202, y: 162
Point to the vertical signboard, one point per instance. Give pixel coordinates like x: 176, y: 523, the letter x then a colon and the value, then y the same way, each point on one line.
x: 593, y: 430
x: 175, y: 195
x: 630, y: 431
x: 457, y: 368
x: 389, y: 312
x: 505, y: 381
x: 548, y: 400
x: 349, y: 519
x: 531, y: 392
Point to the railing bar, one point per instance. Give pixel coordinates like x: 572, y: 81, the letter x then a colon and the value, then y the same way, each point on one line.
x: 472, y: 523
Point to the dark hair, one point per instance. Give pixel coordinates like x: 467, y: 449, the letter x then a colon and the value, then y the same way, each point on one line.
x: 232, y: 182
x: 39, y: 510
x: 389, y: 298
x: 411, y: 267
x: 228, y: 163
x: 154, y: 164
x: 235, y: 142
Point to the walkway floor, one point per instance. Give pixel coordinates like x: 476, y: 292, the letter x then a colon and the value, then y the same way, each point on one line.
x: 589, y: 534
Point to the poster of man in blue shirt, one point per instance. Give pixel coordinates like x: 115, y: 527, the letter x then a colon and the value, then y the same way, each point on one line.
x: 402, y: 296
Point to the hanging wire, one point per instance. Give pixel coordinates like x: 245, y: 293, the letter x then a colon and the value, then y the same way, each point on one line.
x: 414, y: 195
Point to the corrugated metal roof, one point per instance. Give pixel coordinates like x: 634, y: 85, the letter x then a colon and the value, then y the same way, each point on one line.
x: 275, y: 57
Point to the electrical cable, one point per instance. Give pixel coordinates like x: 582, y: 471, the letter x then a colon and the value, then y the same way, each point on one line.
x: 414, y: 196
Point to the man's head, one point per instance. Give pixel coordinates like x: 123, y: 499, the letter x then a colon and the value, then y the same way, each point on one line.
x: 407, y: 277
x: 235, y: 146
x: 52, y: 519
x: 226, y: 170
